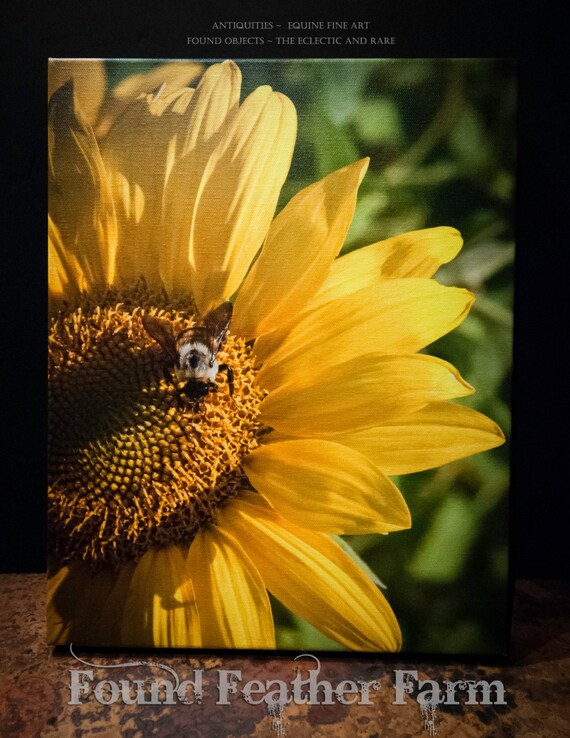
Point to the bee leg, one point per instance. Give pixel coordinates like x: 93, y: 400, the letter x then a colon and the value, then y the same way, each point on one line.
x: 230, y: 372
x: 212, y: 387
x: 184, y: 400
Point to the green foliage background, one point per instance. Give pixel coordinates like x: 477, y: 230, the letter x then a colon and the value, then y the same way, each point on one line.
x: 441, y: 138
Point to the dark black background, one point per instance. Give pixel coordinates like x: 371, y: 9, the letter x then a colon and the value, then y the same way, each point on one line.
x: 454, y: 28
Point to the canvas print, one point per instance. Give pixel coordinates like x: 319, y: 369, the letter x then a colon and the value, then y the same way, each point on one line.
x: 280, y: 299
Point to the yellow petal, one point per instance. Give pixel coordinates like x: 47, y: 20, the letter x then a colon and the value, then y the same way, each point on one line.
x: 57, y: 278
x: 58, y: 623
x: 231, y: 597
x: 162, y: 81
x: 313, y: 577
x: 301, y: 244
x: 65, y: 277
x: 89, y: 82
x: 80, y: 199
x: 437, y: 434
x: 160, y: 610
x: 216, y: 99
x: 135, y: 153
x: 140, y: 151
x: 361, y: 393
x: 398, y: 316
x: 76, y: 598
x: 169, y: 77
x: 177, y: 101
x: 326, y: 487
x: 413, y: 254
x: 217, y: 212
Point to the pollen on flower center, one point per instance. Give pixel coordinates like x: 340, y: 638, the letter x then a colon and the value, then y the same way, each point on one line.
x: 133, y: 463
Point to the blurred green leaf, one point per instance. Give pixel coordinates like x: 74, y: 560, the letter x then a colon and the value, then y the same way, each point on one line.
x: 500, y: 561
x: 470, y: 143
x: 342, y: 87
x: 334, y: 146
x: 302, y: 635
x: 378, y: 122
x: 476, y: 489
x: 477, y: 264
x: 441, y: 555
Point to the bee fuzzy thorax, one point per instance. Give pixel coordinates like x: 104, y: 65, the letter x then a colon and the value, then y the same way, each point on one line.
x: 197, y: 362
x: 192, y: 354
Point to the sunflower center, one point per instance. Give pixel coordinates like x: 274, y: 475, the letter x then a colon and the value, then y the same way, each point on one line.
x: 133, y: 462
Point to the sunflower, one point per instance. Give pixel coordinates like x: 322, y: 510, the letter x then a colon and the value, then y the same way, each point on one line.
x: 170, y: 521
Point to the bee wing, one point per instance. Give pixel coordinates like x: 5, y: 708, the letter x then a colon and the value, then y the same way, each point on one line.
x: 161, y: 331
x: 217, y: 323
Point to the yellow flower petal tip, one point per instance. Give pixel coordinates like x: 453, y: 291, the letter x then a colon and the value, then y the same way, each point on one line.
x: 307, y: 234
x: 89, y: 80
x: 342, y: 601
x: 327, y: 487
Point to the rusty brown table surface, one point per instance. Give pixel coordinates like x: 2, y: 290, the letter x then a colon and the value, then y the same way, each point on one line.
x: 35, y: 683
